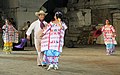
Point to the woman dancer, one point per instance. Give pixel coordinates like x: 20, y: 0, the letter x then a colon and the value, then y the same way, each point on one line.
x: 109, y: 37
x: 53, y: 40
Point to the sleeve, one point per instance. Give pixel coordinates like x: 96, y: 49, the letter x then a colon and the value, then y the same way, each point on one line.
x: 113, y: 29
x: 29, y: 31
x: 102, y: 29
x: 14, y: 29
x: 4, y: 27
x: 47, y: 28
x: 45, y: 23
x: 64, y: 26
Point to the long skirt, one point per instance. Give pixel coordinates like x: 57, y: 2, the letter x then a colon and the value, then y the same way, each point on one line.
x: 7, y: 46
x: 51, y: 57
x: 110, y: 48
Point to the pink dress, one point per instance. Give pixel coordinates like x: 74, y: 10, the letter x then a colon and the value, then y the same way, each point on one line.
x: 108, y: 33
x: 109, y: 38
x: 53, y: 38
x: 52, y: 43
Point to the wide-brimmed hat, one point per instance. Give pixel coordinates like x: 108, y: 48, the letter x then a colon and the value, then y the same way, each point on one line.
x: 40, y: 12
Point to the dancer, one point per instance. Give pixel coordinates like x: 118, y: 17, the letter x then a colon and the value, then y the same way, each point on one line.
x: 109, y: 37
x: 38, y: 26
x: 53, y: 40
x: 10, y: 35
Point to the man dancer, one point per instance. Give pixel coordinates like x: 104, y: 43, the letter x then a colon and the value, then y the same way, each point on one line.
x: 38, y: 26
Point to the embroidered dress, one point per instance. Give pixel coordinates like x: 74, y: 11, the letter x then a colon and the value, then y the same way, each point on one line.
x: 52, y: 42
x: 109, y: 38
x: 10, y: 35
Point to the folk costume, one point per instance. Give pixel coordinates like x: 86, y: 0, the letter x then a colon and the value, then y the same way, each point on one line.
x: 10, y: 36
x: 109, y: 38
x: 52, y: 43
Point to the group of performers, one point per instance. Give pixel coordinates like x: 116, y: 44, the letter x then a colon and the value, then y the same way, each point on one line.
x: 49, y: 38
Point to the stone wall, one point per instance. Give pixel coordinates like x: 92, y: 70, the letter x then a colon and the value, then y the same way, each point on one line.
x: 116, y: 24
x: 79, y: 18
x: 99, y: 16
x: 103, y: 4
x: 22, y: 10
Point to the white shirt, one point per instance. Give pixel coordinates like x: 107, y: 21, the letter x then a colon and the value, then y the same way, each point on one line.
x: 36, y: 27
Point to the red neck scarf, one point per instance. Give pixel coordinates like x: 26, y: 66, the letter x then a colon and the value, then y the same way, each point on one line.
x: 42, y: 24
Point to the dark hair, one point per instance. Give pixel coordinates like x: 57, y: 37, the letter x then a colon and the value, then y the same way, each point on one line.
x: 59, y: 14
x: 9, y: 20
x: 28, y: 21
x: 107, y: 19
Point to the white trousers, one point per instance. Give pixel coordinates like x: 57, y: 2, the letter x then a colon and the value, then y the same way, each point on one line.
x: 40, y: 54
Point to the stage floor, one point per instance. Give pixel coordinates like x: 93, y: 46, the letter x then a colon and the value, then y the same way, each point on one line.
x: 73, y: 61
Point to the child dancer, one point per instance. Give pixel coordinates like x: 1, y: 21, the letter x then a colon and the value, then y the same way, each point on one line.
x: 10, y: 35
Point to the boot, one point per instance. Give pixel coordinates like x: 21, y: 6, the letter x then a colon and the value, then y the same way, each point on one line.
x: 22, y: 44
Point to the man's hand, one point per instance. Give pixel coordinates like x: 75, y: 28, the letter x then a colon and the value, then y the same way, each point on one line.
x: 28, y: 37
x: 41, y: 35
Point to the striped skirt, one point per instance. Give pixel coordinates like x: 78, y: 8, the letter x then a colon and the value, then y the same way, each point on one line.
x: 110, y: 48
x: 51, y: 57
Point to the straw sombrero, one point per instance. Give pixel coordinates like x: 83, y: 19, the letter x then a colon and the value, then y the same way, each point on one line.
x: 40, y: 12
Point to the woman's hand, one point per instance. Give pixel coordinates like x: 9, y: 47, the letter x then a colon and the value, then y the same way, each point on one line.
x: 114, y: 34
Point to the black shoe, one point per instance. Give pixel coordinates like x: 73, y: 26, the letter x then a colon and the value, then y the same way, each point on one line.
x: 40, y: 65
x: 44, y: 65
